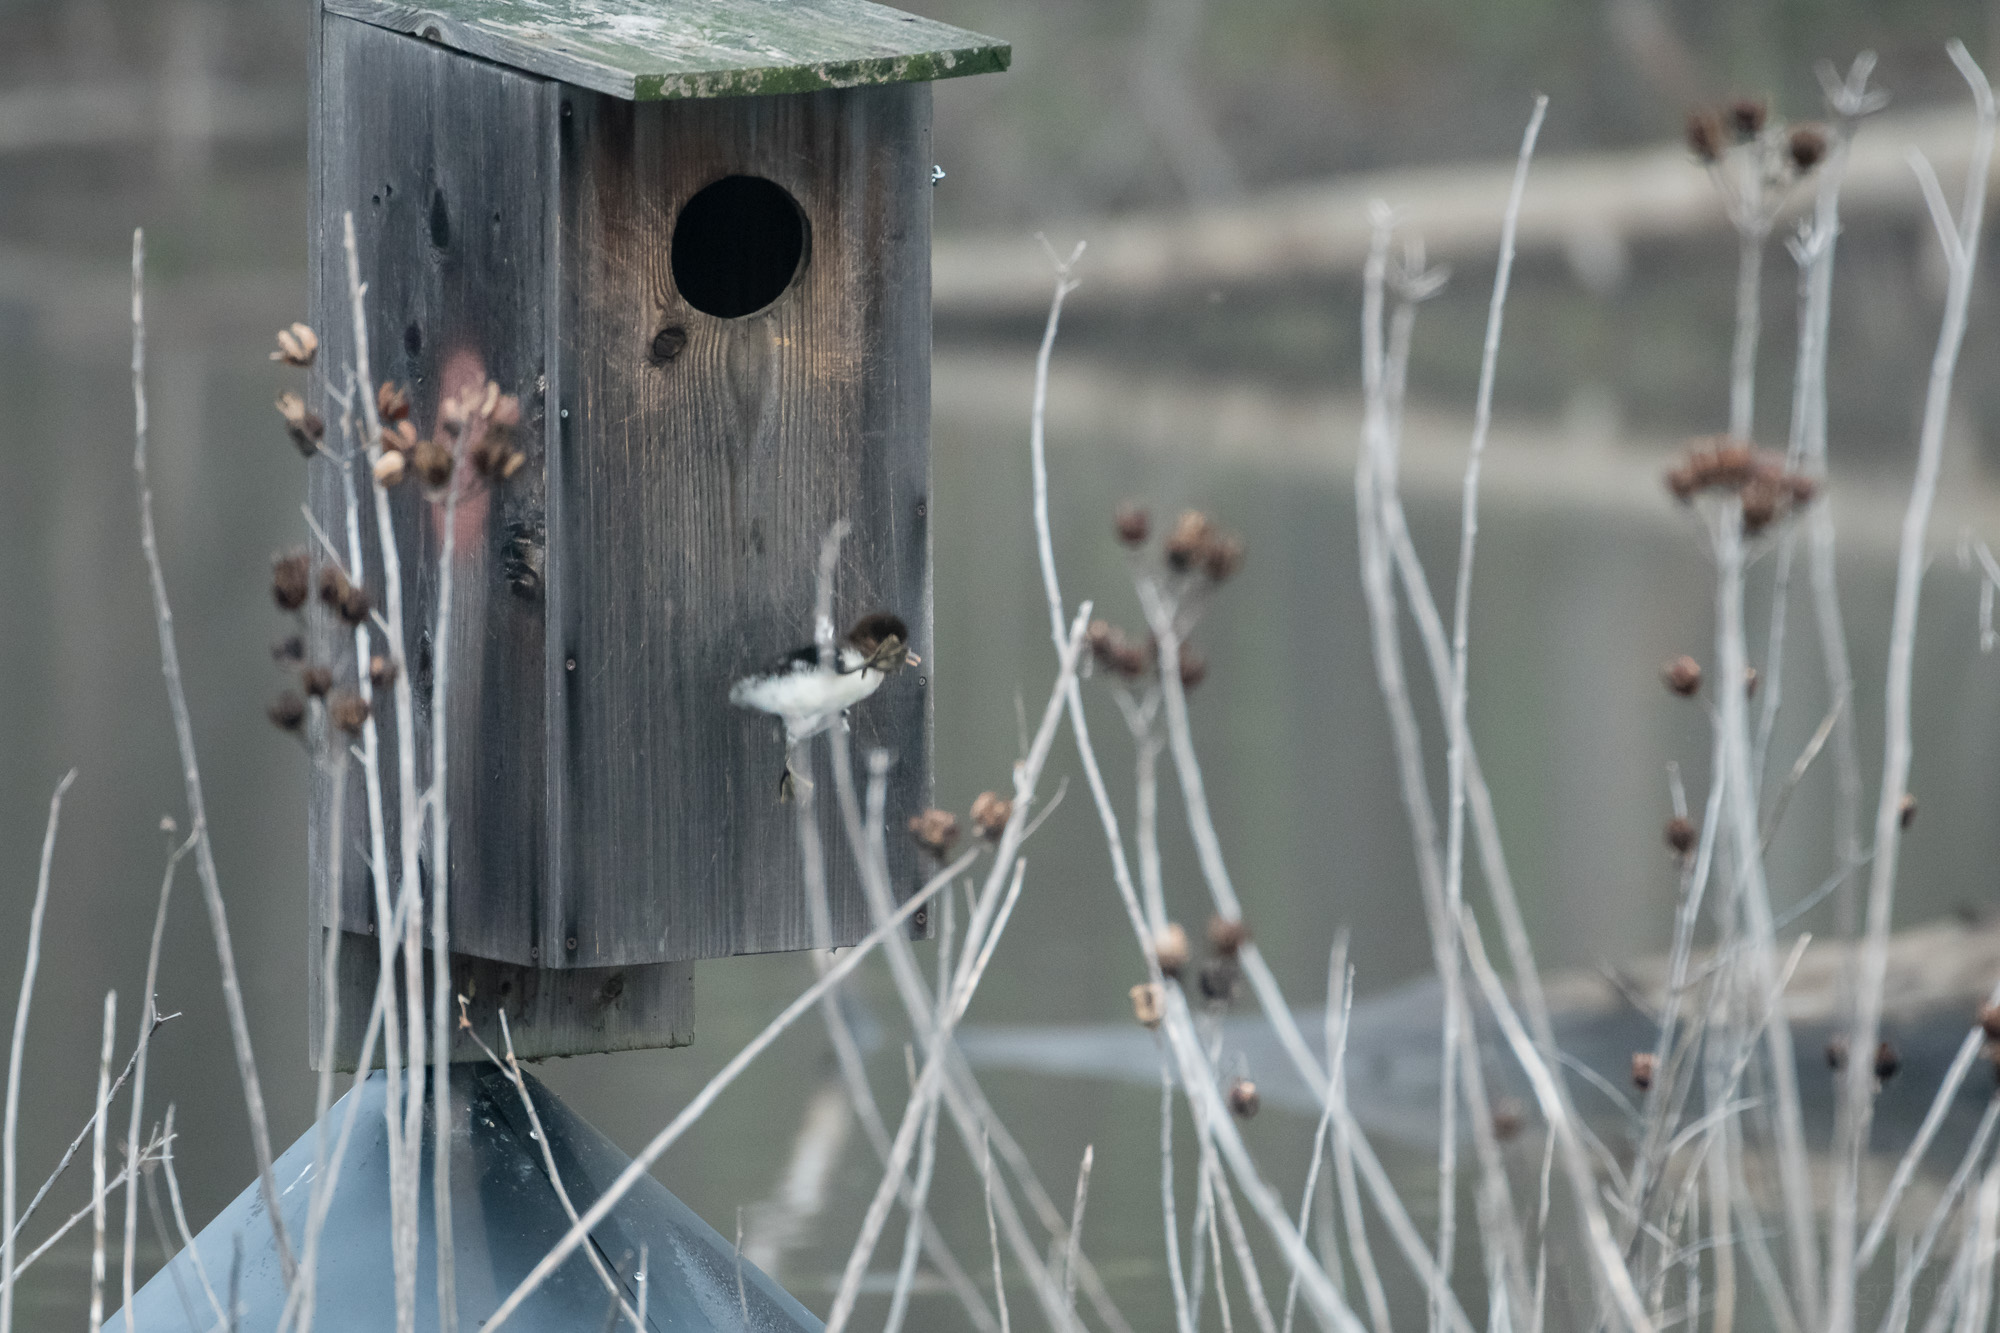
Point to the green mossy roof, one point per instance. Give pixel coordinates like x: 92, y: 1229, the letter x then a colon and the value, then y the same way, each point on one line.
x: 650, y: 50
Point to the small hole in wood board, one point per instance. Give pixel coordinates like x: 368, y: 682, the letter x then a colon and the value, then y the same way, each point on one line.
x: 738, y: 244
x: 667, y: 344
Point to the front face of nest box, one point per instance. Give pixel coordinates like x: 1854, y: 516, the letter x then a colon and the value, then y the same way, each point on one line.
x: 716, y: 314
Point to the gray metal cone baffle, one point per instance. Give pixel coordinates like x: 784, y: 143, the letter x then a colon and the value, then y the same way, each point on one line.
x: 505, y: 1216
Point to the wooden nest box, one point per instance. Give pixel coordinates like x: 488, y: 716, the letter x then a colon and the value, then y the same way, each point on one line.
x: 694, y: 237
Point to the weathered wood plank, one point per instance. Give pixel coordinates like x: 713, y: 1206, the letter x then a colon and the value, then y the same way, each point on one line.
x: 643, y: 50
x: 688, y: 498
x: 550, y: 1011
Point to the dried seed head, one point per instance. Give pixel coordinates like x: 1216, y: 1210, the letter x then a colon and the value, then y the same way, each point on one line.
x: 399, y: 438
x: 349, y: 712
x: 1836, y: 1054
x: 1243, y: 1099
x: 990, y: 813
x: 1508, y: 1118
x: 1186, y: 542
x: 381, y: 671
x: 1194, y: 668
x: 433, y: 463
x: 289, y: 651
x: 1222, y: 557
x: 1114, y: 652
x: 291, y: 579
x: 1705, y: 137
x: 1762, y: 498
x: 1989, y: 1021
x: 391, y: 469
x: 1133, y: 524
x: 511, y: 462
x: 1149, y: 1003
x: 305, y: 429
x: 297, y: 346
x: 1806, y: 146
x: 1681, y: 834
x: 332, y: 585
x: 1906, y: 810
x: 1751, y: 680
x: 1887, y: 1062
x: 355, y: 604
x: 1644, y: 1066
x: 1747, y: 116
x: 936, y: 831
x: 1682, y: 675
x: 287, y: 712
x: 1170, y: 947
x: 1217, y: 980
x: 1226, y: 937
x: 506, y: 410
x: 1683, y: 481
x: 316, y: 681
x: 391, y: 402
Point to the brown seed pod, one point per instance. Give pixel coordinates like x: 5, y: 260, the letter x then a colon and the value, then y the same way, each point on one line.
x: 1681, y: 834
x: 1751, y: 680
x: 1761, y: 501
x: 990, y: 813
x: 1222, y: 557
x: 287, y: 712
x: 1132, y: 524
x: 316, y: 681
x: 1747, y: 116
x: 1149, y: 1003
x: 433, y: 463
x: 297, y: 346
x: 332, y: 586
x: 391, y: 402
x: 291, y: 579
x: 1194, y: 668
x: 355, y: 604
x: 1836, y: 1054
x: 936, y: 831
x: 1705, y: 136
x: 1989, y: 1021
x: 1186, y: 542
x: 1682, y: 675
x: 511, y: 462
x: 1217, y: 980
x: 1683, y: 481
x: 288, y: 651
x: 1508, y: 1118
x: 1806, y: 146
x: 391, y: 469
x: 1644, y: 1066
x: 1243, y: 1099
x: 381, y: 671
x: 1170, y: 947
x: 305, y: 429
x: 1227, y: 937
x: 1887, y: 1062
x: 348, y: 711
x: 399, y: 438
x: 1906, y: 810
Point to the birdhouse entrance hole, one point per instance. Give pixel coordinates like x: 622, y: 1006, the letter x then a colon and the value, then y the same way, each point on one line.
x: 738, y: 244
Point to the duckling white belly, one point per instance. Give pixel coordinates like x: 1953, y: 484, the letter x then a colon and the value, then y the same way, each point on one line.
x: 805, y: 696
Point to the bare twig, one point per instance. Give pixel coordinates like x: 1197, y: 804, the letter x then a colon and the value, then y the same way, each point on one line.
x: 693, y: 1111
x: 211, y: 884
x: 98, y: 1186
x: 1857, y: 1102
x: 8, y: 1225
x: 149, y: 1019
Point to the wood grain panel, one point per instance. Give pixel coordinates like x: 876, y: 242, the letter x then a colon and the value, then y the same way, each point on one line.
x: 550, y: 1011
x: 688, y: 498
